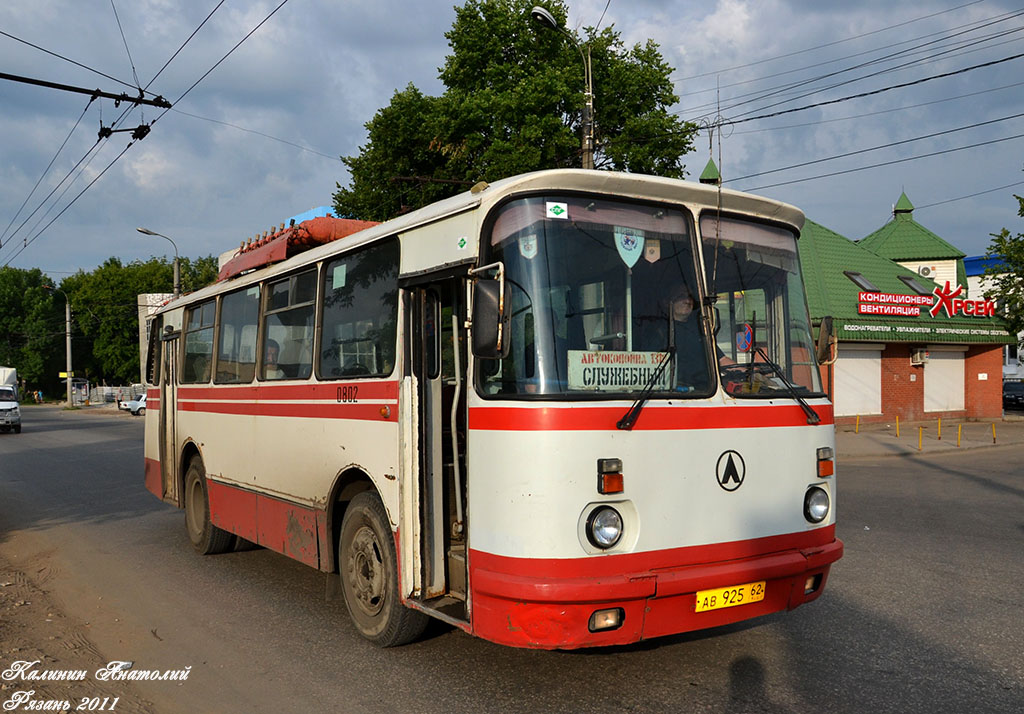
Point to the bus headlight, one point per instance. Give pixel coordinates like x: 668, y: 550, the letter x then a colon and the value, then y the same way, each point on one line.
x: 816, y: 504
x: 604, y: 527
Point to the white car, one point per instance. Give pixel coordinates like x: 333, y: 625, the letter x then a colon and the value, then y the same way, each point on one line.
x: 10, y: 412
x: 136, y: 406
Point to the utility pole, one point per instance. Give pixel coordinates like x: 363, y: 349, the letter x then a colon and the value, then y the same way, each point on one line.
x: 67, y: 337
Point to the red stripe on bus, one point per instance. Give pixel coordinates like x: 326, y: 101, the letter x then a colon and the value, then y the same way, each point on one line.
x: 651, y: 561
x: 576, y: 418
x: 547, y: 603
x: 362, y: 412
x: 282, y: 526
x: 320, y: 390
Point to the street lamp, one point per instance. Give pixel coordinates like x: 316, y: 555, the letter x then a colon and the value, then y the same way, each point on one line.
x: 177, y: 274
x: 546, y: 19
x: 67, y: 337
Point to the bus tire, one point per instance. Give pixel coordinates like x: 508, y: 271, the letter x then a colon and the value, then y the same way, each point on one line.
x: 369, y: 575
x: 206, y: 538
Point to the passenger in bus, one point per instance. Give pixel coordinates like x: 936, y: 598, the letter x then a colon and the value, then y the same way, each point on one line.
x: 270, y: 368
x: 200, y: 369
x: 677, y: 327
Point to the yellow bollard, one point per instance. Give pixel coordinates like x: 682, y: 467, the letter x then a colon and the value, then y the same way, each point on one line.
x: 959, y: 431
x: 920, y: 436
x: 993, y: 432
x: 897, y: 427
x: 940, y: 428
x: 856, y: 429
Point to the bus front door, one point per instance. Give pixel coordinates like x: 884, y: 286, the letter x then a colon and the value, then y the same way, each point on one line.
x: 438, y: 362
x: 168, y: 409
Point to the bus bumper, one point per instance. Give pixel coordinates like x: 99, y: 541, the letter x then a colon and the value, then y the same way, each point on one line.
x: 554, y: 612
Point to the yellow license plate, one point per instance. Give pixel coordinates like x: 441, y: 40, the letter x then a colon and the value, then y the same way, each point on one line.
x: 729, y: 597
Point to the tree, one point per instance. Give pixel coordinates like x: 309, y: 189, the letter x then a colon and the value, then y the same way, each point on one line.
x: 31, y: 326
x: 1005, y: 282
x: 513, y: 103
x: 105, y: 305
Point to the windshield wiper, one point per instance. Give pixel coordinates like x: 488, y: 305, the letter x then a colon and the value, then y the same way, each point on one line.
x: 812, y: 416
x: 629, y: 418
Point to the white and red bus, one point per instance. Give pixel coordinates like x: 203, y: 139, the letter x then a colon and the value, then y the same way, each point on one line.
x: 566, y: 409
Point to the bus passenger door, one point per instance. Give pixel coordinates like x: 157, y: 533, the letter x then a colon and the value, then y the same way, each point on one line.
x: 168, y: 410
x: 437, y: 359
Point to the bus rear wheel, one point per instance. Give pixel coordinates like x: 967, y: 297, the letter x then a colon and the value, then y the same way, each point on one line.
x: 369, y: 575
x: 206, y: 538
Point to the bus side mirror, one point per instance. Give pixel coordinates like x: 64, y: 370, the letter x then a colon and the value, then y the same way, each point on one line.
x: 490, y: 320
x: 826, y: 340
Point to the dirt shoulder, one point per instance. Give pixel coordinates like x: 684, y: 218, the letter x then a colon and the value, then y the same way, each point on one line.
x: 36, y: 637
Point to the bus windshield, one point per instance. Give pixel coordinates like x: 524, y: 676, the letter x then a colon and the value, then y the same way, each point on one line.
x: 762, y: 324
x: 601, y: 294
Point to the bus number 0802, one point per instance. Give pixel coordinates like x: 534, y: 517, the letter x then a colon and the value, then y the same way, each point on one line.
x: 347, y: 394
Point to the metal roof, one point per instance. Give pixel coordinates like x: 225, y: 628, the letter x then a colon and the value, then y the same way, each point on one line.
x: 903, y: 238
x: 826, y: 256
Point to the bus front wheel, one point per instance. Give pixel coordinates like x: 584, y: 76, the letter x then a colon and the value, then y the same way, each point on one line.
x: 206, y: 538
x: 369, y: 575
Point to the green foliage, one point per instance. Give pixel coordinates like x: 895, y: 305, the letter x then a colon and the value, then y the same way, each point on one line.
x: 513, y: 103
x: 105, y: 322
x: 31, y: 326
x: 1005, y: 283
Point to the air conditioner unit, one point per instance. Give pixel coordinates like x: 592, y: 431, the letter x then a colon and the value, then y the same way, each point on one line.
x: 918, y: 355
x: 924, y: 271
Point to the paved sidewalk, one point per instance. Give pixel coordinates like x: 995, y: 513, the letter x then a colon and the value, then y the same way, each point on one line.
x: 921, y: 438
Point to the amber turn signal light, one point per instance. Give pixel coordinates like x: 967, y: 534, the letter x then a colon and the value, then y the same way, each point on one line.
x: 609, y: 476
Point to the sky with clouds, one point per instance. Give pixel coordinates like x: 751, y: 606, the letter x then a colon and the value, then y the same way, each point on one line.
x: 258, y: 139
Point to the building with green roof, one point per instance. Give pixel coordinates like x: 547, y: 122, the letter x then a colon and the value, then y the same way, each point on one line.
x: 907, y: 242
x: 900, y: 351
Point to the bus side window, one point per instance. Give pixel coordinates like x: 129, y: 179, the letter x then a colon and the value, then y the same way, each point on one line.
x: 236, y: 351
x: 360, y: 318
x: 198, y: 343
x: 288, y: 327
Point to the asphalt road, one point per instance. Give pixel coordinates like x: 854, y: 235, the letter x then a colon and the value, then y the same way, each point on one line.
x: 923, y: 614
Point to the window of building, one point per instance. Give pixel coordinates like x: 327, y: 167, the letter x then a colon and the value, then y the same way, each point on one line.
x: 198, y: 343
x: 360, y: 313
x: 917, y: 287
x: 236, y: 336
x: 288, y: 327
x: 860, y: 281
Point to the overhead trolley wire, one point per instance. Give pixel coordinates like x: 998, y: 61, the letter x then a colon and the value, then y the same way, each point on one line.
x: 879, y: 112
x: 971, y: 195
x: 187, y: 40
x: 885, y: 163
x: 827, y: 44
x: 769, y: 93
x: 978, y: 24
x: 66, y: 59
x: 218, y: 62
x: 88, y: 155
x: 135, y: 74
x: 131, y: 143
x: 31, y: 240
x: 881, y: 90
x: 879, y: 147
x: 780, y: 90
x: 43, y: 175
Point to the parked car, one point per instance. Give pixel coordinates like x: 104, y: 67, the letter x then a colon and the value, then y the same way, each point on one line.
x: 136, y: 406
x: 1013, y: 395
x: 10, y: 412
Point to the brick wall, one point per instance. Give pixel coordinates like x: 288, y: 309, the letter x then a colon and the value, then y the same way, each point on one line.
x: 984, y: 397
x: 903, y: 386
